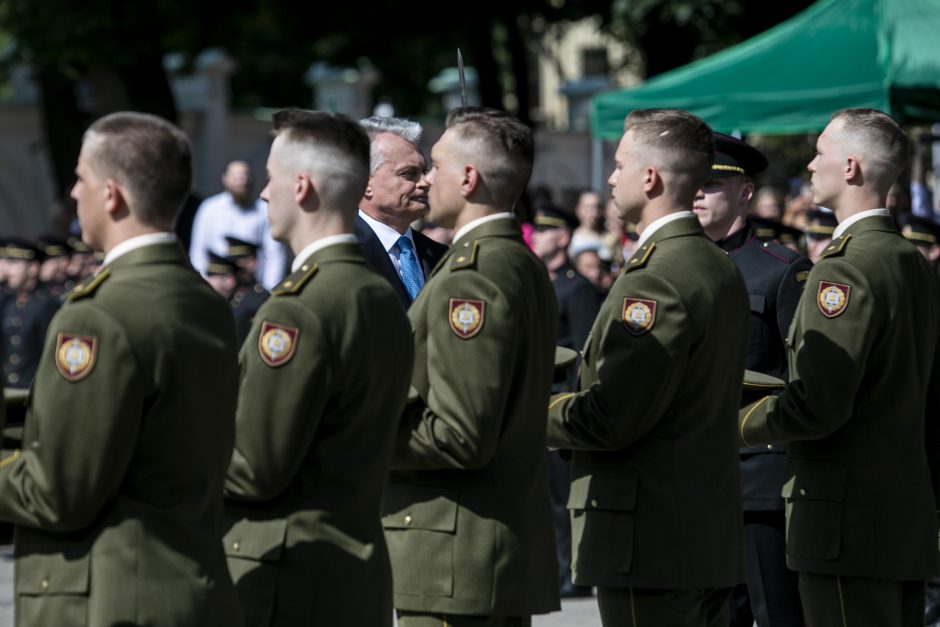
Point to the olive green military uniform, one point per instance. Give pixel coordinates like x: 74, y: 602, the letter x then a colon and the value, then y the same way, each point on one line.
x: 467, y: 515
x: 117, y: 492
x: 325, y: 374
x: 862, y: 489
x: 655, y: 497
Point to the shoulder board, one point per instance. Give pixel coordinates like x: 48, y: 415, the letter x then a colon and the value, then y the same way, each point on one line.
x: 640, y: 257
x: 89, y: 285
x: 293, y: 283
x: 836, y: 246
x: 466, y: 256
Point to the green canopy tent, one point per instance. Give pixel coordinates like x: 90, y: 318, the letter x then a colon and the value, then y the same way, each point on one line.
x: 882, y: 54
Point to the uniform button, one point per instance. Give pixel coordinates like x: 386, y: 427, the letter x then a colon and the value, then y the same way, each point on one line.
x: 13, y: 377
x: 21, y: 304
x: 288, y: 283
x: 570, y: 274
x: 802, y: 491
x: 14, y: 359
x: 16, y: 321
x: 236, y: 547
x: 45, y: 584
x: 408, y: 520
x: 766, y: 244
x: 770, y: 447
x: 593, y: 502
x: 461, y: 259
x: 16, y: 340
x: 466, y: 244
x: 305, y: 268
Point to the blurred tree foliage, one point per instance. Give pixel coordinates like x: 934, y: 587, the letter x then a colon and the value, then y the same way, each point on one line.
x: 97, y: 56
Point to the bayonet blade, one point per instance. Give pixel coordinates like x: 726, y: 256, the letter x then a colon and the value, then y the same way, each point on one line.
x: 463, y: 81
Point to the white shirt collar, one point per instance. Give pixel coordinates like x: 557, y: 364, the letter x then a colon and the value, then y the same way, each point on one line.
x: 137, y: 242
x: 323, y: 242
x: 871, y: 213
x: 386, y: 234
x: 659, y: 223
x: 505, y: 215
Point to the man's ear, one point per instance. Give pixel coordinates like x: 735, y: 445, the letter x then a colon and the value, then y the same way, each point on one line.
x: 114, y: 197
x: 305, y: 192
x: 651, y: 179
x: 369, y: 192
x: 747, y: 191
x: 852, y: 169
x: 470, y: 181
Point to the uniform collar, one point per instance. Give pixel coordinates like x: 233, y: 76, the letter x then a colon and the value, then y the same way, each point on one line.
x: 737, y: 239
x: 323, y: 242
x: 659, y: 223
x: 473, y: 224
x: 134, y: 243
x: 848, y: 222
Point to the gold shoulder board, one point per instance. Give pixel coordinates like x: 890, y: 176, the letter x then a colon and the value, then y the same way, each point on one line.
x: 89, y: 285
x: 836, y: 246
x: 640, y: 257
x: 465, y: 256
x: 295, y: 282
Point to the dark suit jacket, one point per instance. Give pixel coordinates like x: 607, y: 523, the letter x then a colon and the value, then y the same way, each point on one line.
x: 429, y: 252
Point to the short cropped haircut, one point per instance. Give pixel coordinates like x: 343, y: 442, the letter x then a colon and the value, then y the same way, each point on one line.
x: 406, y: 129
x: 331, y: 148
x: 501, y: 147
x: 882, y: 142
x: 681, y: 144
x: 149, y: 157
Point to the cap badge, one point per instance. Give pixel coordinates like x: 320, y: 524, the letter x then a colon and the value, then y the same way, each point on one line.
x: 832, y: 298
x: 75, y: 355
x: 277, y: 343
x: 466, y: 317
x: 639, y: 314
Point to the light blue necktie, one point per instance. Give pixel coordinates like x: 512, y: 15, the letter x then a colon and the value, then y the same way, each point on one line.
x: 411, y: 274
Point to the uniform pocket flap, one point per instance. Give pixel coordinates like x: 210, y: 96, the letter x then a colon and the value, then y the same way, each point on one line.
x: 261, y: 540
x: 420, y: 507
x: 605, y: 489
x: 812, y: 481
x: 758, y: 302
x: 52, y: 573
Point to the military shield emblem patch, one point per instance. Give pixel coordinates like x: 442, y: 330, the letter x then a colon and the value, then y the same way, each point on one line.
x: 277, y: 343
x: 639, y: 314
x: 832, y: 298
x: 466, y: 317
x: 75, y: 355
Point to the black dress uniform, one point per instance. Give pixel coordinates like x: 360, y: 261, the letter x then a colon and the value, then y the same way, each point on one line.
x: 25, y: 316
x: 578, y: 303
x: 774, y: 276
x: 246, y: 300
x: 249, y: 295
